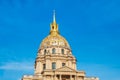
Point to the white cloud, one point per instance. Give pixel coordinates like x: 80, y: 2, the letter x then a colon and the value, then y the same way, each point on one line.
x: 17, y: 66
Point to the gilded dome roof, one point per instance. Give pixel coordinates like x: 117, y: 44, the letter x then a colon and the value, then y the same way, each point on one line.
x: 54, y: 38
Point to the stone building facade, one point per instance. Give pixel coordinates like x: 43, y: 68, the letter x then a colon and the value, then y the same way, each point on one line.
x: 55, y: 60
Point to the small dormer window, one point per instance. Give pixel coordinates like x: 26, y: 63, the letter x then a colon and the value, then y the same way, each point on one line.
x: 53, y: 51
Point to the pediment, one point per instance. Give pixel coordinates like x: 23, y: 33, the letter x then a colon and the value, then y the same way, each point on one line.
x: 65, y: 68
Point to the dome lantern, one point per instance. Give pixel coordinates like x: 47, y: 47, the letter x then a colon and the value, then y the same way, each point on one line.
x: 54, y: 25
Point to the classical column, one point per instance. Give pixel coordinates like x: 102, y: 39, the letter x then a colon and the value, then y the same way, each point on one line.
x: 60, y: 77
x: 70, y: 77
x: 75, y: 77
x: 51, y: 77
x: 44, y: 77
x: 54, y: 77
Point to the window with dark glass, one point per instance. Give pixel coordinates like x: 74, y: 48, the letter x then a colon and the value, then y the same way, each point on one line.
x: 45, y: 51
x: 53, y: 65
x: 44, y: 66
x: 62, y: 50
x: 53, y: 51
x: 63, y: 64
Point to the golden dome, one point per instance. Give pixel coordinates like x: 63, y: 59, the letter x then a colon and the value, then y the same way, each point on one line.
x: 54, y: 38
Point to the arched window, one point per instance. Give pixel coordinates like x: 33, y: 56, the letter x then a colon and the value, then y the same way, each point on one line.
x: 62, y: 51
x: 53, y: 65
x: 45, y: 51
x: 53, y: 51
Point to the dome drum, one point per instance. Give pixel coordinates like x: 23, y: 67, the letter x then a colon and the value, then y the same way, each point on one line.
x: 54, y: 50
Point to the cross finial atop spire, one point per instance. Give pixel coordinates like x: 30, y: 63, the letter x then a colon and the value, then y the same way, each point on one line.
x: 54, y: 20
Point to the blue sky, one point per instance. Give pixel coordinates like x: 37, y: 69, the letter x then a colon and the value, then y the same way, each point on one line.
x: 92, y: 28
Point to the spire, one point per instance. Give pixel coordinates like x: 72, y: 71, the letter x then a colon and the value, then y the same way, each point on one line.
x: 54, y: 20
x: 54, y: 25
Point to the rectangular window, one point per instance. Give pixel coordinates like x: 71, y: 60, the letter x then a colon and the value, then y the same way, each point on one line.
x: 62, y: 50
x: 53, y: 65
x: 44, y: 66
x: 53, y: 51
